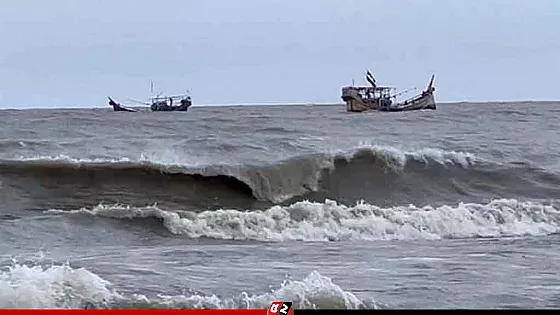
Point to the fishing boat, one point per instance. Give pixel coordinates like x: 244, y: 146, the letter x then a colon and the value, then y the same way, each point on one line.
x: 159, y: 103
x: 381, y: 98
x: 165, y: 103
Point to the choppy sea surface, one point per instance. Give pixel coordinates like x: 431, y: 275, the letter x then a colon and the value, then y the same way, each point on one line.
x: 235, y: 207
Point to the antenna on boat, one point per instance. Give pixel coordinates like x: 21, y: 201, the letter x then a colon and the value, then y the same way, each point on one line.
x: 151, y: 88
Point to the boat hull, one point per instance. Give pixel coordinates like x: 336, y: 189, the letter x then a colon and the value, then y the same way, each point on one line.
x: 167, y: 108
x: 118, y: 108
x: 122, y: 109
x: 424, y: 101
x: 164, y: 107
x: 361, y: 99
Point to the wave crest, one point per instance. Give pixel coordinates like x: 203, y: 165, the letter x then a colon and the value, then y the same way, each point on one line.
x: 276, y: 182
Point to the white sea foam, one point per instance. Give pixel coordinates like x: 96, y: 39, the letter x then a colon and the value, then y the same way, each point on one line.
x: 330, y: 221
x: 64, y: 287
x: 314, y: 291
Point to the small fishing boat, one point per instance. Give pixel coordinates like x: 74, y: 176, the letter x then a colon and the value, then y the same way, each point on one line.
x: 380, y: 98
x: 159, y: 103
x: 165, y: 103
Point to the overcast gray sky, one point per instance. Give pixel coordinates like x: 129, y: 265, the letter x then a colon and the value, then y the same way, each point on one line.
x: 74, y: 53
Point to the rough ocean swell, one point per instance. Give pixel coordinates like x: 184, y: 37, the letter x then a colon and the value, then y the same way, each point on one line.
x: 374, y: 174
x: 218, y: 207
x: 276, y: 182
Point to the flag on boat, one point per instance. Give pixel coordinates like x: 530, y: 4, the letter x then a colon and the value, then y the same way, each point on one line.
x: 370, y: 78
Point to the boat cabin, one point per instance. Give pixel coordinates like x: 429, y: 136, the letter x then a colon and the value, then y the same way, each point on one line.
x: 379, y: 92
x: 171, y: 103
x: 171, y: 100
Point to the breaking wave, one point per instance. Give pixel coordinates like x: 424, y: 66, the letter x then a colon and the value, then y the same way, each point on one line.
x: 330, y: 221
x: 65, y: 287
x: 370, y: 173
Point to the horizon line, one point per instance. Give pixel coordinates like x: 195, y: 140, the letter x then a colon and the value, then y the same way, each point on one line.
x: 279, y: 104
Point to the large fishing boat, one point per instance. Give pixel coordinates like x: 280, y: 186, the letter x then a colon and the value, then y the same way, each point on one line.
x: 380, y: 98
